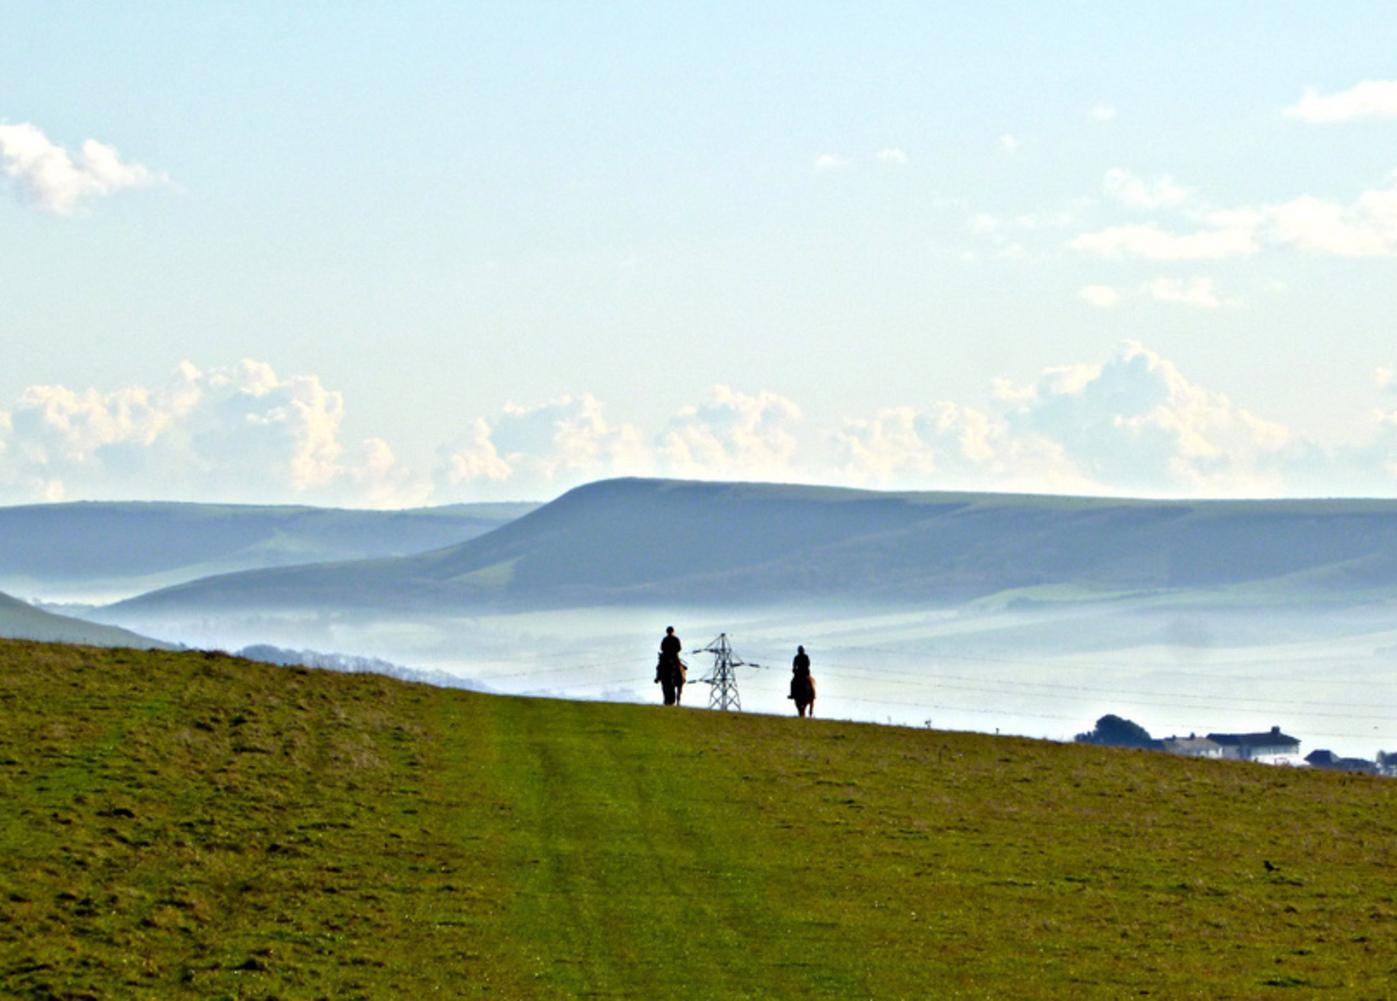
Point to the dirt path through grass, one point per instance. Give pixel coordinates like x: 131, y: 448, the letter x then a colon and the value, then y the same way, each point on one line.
x: 628, y: 870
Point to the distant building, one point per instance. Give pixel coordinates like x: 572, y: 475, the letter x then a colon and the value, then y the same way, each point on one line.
x: 1272, y: 747
x: 1191, y: 746
x: 1332, y: 762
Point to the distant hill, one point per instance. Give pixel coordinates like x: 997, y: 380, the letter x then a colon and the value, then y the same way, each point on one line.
x: 96, y: 548
x: 25, y: 622
x: 196, y: 826
x: 637, y: 541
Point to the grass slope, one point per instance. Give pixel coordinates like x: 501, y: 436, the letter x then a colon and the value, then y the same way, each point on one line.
x: 190, y: 825
x: 659, y: 541
x: 19, y: 620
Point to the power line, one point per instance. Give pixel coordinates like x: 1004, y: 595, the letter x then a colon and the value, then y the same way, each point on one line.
x: 725, y: 696
x: 723, y: 693
x: 1327, y: 661
x: 1012, y: 687
x: 1197, y: 701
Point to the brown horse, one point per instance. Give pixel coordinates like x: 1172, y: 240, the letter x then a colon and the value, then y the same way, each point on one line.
x: 803, y: 691
x: 671, y: 674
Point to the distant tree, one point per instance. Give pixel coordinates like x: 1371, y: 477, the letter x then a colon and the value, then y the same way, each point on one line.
x: 1113, y: 731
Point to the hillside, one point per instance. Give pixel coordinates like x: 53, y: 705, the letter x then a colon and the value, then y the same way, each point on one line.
x: 90, y: 547
x: 191, y: 825
x: 654, y: 541
x: 25, y: 622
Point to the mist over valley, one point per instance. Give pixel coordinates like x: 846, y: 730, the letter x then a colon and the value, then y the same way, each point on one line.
x: 1022, y: 614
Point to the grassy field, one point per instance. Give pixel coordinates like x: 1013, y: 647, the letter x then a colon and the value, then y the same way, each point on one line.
x: 190, y: 825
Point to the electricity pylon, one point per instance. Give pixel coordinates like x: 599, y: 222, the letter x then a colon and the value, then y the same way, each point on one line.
x: 723, y: 694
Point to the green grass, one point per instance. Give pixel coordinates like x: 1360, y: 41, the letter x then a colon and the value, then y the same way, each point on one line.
x: 191, y: 825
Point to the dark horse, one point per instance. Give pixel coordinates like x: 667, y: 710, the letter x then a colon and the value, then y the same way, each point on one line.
x: 671, y: 673
x: 803, y: 691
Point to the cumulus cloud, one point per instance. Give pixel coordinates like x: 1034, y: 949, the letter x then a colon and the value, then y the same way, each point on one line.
x: 732, y: 434
x: 1133, y: 423
x: 1103, y: 113
x: 1192, y: 292
x: 236, y: 433
x: 1369, y: 99
x: 539, y: 451
x: 1365, y: 227
x: 1144, y: 193
x: 828, y: 163
x: 1009, y: 143
x: 1100, y: 296
x: 892, y: 157
x: 1197, y: 291
x: 45, y: 174
x: 528, y: 451
x: 1137, y: 423
x: 1155, y: 244
x: 949, y: 446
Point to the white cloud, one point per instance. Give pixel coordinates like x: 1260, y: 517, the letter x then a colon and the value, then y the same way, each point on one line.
x: 240, y: 433
x: 473, y: 456
x: 1133, y: 423
x: 948, y: 446
x: 983, y: 223
x: 1009, y: 143
x: 1193, y: 292
x: 1137, y: 424
x: 732, y: 434
x: 892, y: 157
x: 48, y: 176
x: 379, y: 480
x: 1100, y: 296
x: 1155, y: 244
x: 540, y: 450
x: 1144, y: 193
x: 1369, y: 99
x: 1365, y: 227
x: 1044, y: 220
x: 1103, y: 113
x: 827, y: 163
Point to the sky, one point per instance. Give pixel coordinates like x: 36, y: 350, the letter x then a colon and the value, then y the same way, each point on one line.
x: 404, y: 254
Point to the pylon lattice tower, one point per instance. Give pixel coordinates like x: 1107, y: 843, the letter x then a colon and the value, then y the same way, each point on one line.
x: 723, y: 694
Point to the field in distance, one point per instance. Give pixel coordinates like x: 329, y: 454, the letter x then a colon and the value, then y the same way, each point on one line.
x: 192, y: 825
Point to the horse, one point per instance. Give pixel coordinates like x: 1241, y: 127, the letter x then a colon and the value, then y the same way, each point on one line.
x: 671, y: 675
x: 803, y: 691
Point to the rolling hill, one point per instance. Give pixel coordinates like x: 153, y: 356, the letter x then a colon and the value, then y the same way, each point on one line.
x: 25, y: 622
x: 654, y: 541
x: 86, y: 548
x: 192, y: 826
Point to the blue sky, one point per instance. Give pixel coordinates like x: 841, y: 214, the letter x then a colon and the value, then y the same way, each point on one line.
x: 399, y: 254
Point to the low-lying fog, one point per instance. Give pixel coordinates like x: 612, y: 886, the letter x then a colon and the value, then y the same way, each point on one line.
x: 1324, y: 677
